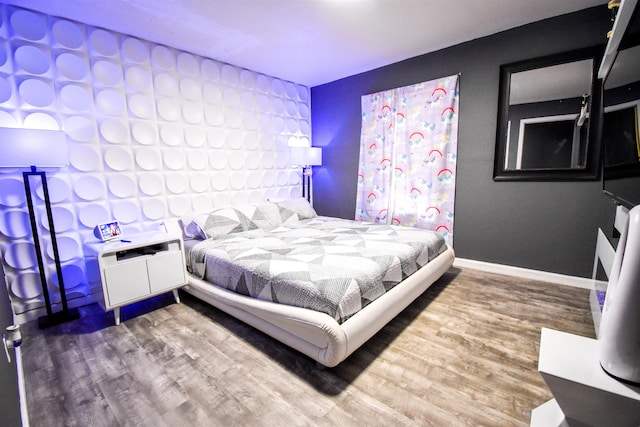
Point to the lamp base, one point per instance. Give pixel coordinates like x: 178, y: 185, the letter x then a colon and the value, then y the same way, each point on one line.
x: 58, y: 318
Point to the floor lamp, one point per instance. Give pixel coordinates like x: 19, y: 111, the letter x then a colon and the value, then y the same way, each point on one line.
x: 306, y: 157
x: 35, y: 148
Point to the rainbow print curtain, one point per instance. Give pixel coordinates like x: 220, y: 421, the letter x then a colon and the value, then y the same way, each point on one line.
x: 408, y: 147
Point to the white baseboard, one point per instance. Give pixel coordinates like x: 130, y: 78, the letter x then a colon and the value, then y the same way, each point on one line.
x: 526, y: 273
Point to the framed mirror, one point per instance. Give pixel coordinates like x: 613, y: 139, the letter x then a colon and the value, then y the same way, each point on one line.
x: 548, y: 118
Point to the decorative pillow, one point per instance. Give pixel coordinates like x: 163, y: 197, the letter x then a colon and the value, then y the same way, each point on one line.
x: 228, y: 220
x: 190, y: 229
x: 295, y: 209
x: 220, y: 222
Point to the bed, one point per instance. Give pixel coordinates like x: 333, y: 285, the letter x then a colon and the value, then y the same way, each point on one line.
x: 320, y: 285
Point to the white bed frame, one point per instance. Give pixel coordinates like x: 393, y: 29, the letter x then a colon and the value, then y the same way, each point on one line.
x: 317, y: 334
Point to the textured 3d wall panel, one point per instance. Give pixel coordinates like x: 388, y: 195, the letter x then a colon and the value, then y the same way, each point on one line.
x: 153, y: 133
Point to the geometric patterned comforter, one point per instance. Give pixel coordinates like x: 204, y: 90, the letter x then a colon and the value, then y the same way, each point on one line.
x: 330, y: 265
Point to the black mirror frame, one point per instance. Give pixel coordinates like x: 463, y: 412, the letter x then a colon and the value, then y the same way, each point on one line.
x: 591, y: 171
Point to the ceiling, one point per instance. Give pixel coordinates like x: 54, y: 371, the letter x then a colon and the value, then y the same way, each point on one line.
x: 309, y: 42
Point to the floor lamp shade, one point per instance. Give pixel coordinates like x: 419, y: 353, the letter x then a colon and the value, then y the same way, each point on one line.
x: 306, y: 157
x: 33, y: 147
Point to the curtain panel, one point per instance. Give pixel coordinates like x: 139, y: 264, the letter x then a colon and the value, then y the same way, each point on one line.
x: 408, y: 148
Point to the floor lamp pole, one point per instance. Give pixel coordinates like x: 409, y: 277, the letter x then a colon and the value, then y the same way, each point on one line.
x: 66, y: 314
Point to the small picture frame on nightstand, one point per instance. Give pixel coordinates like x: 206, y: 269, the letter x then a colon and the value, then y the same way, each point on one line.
x: 108, y: 231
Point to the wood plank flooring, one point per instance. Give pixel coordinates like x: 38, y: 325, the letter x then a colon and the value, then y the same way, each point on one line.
x: 464, y: 353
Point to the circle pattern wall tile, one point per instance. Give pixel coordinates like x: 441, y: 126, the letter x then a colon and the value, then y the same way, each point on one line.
x: 187, y: 64
x: 162, y: 57
x: 192, y: 112
x: 230, y: 75
x: 211, y: 93
x: 107, y: 73
x: 303, y: 93
x: 252, y: 161
x: 76, y: 98
x: 148, y: 159
x: 232, y: 118
x: 247, y: 79
x: 196, y: 160
x: 194, y: 136
x: 176, y: 183
x: 238, y: 181
x: 168, y: 109
x: 20, y: 255
x: 68, y: 248
x: 190, y: 89
x: 179, y: 205
x: 118, y: 159
x: 63, y: 219
x: 219, y: 181
x: 29, y: 25
x: 111, y: 102
x: 166, y: 84
x: 15, y: 224
x: 36, y: 93
x: 80, y: 128
x: 71, y: 66
x: 68, y: 34
x: 72, y: 275
x: 126, y: 211
x: 214, y: 116
x: 215, y: 137
x: 133, y: 50
x: 84, y: 158
x: 104, y: 43
x: 138, y: 78
x: 171, y: 135
x: 12, y: 194
x: 26, y: 286
x: 92, y: 214
x: 174, y: 159
x: 142, y: 106
x: 264, y: 83
x: 122, y: 185
x: 144, y: 133
x: 210, y: 70
x: 153, y: 209
x: 32, y: 59
x: 218, y: 159
x: 151, y: 184
x: 290, y: 90
x: 114, y: 131
x: 89, y: 188
x: 199, y: 182
x: 201, y: 203
x: 59, y: 189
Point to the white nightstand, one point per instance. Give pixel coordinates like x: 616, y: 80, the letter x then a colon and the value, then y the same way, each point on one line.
x: 137, y: 267
x: 584, y: 395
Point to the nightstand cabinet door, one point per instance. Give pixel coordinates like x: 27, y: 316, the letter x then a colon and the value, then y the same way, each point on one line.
x: 126, y: 281
x: 166, y: 270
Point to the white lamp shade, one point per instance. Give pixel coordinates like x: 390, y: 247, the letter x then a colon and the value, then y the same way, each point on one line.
x: 306, y: 156
x: 33, y: 147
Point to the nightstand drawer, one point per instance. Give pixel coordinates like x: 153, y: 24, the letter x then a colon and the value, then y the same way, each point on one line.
x: 126, y: 281
x: 166, y: 270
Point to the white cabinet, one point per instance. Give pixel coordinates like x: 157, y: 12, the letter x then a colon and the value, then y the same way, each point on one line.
x: 138, y: 267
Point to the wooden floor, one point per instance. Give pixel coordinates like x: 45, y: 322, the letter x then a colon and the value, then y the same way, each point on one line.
x: 464, y: 353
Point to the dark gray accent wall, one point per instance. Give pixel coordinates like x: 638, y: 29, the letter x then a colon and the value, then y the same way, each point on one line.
x: 549, y: 226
